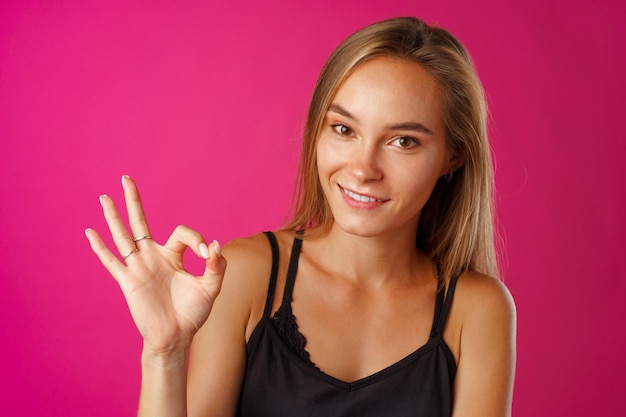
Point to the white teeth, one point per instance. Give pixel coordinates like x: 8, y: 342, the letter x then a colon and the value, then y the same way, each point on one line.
x: 359, y: 197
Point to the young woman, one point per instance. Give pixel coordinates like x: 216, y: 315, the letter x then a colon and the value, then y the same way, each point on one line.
x: 379, y: 298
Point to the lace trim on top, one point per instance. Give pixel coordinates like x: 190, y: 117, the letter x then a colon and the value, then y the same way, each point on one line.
x: 287, y: 328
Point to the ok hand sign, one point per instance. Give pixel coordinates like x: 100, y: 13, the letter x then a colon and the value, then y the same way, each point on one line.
x: 167, y: 303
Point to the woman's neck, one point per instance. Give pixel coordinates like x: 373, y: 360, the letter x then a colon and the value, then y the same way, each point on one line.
x: 371, y: 261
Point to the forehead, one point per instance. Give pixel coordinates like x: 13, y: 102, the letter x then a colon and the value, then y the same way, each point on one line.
x: 392, y: 90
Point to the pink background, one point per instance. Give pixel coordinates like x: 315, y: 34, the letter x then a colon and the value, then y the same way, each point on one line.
x: 203, y: 105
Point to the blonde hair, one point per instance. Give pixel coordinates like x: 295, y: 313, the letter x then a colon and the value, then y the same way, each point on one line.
x: 456, y: 224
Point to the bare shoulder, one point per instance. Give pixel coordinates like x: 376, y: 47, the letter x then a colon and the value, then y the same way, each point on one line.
x: 479, y: 294
x: 251, y: 248
x: 482, y: 307
x: 247, y: 274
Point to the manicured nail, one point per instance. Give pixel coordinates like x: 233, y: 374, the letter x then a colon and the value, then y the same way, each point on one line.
x: 87, y: 232
x: 124, y: 179
x: 204, y: 250
x: 216, y: 248
x: 102, y: 197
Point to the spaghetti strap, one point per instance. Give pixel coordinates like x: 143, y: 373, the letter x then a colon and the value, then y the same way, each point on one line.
x: 438, y: 307
x: 443, y: 308
x: 283, y: 319
x: 292, y: 270
x: 274, y: 274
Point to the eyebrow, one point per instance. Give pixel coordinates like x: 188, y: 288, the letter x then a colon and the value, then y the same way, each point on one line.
x: 413, y: 126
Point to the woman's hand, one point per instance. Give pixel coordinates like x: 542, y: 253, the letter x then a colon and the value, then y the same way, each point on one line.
x: 167, y: 303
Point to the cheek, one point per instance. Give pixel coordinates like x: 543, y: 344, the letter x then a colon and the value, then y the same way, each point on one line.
x: 326, y: 158
x: 322, y: 166
x: 418, y: 178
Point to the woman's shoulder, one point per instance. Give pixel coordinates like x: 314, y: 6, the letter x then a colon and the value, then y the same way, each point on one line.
x: 254, y: 246
x: 248, y: 258
x: 482, y: 310
x: 250, y: 265
x: 254, y: 252
x: 244, y: 289
x: 476, y: 292
x: 481, y: 300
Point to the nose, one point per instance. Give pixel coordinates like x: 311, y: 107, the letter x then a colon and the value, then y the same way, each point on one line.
x: 366, y: 163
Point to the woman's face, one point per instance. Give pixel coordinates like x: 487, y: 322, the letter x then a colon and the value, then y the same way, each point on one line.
x: 382, y: 147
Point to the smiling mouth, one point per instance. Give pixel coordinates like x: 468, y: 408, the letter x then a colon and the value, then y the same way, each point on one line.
x: 359, y: 197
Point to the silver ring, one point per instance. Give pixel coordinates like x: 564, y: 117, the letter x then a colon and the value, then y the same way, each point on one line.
x: 137, y: 239
x: 129, y: 253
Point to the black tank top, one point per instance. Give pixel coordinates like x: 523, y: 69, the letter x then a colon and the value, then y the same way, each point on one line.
x: 281, y: 381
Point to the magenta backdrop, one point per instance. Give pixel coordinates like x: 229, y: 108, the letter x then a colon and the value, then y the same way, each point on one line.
x: 203, y: 105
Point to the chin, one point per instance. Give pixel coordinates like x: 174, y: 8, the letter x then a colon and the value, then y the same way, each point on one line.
x: 374, y: 226
x: 360, y: 228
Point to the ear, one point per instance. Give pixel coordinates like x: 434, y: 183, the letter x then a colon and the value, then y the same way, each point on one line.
x: 454, y: 163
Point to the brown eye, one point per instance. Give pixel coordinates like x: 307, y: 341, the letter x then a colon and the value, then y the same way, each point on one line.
x: 343, y: 130
x: 404, y: 142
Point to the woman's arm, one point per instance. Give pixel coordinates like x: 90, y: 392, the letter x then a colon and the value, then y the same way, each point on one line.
x: 486, y: 348
x: 163, y: 383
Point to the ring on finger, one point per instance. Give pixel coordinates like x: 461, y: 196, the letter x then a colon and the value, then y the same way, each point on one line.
x: 129, y: 253
x: 138, y: 238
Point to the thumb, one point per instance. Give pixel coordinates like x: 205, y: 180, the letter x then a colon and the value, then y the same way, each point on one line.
x: 215, y: 261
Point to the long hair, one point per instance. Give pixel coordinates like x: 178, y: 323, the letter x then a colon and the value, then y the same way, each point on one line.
x: 456, y: 224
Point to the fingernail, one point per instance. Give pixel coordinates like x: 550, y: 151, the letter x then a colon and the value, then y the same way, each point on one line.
x: 87, y: 232
x: 217, y: 248
x: 124, y: 179
x: 102, y: 197
x: 204, y: 250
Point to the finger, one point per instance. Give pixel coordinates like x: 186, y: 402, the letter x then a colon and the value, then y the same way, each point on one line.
x: 136, y: 216
x: 183, y: 237
x: 106, y: 257
x: 121, y: 238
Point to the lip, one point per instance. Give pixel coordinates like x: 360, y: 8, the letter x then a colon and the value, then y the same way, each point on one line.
x: 360, y: 200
